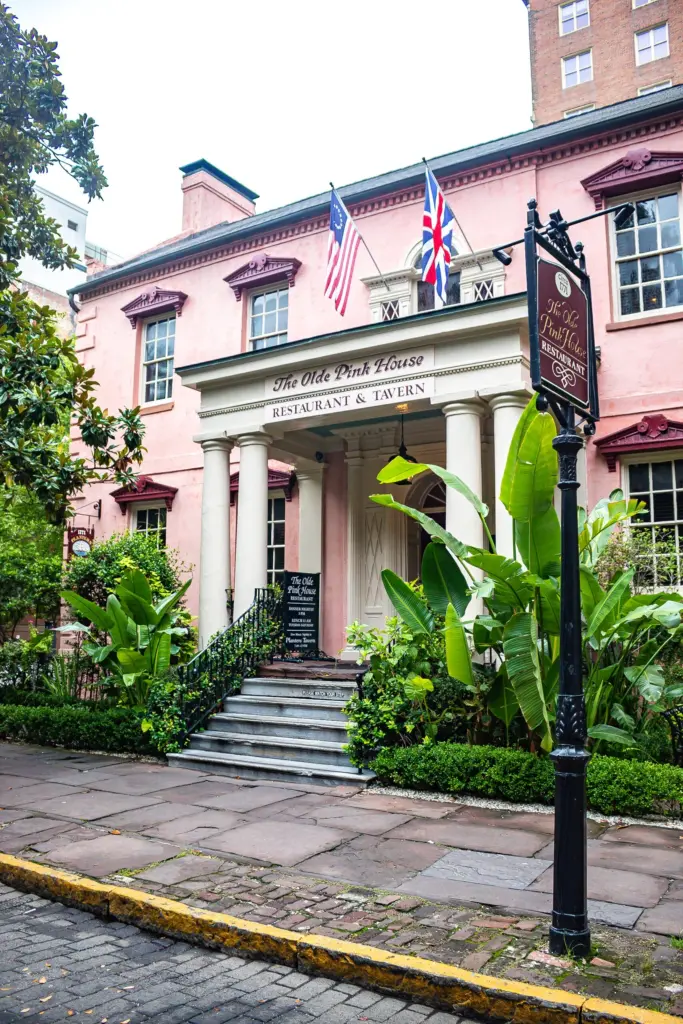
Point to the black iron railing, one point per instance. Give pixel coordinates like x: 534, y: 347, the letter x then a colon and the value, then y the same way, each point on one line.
x: 236, y: 652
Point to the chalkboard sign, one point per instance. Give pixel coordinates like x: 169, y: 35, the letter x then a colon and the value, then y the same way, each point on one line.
x: 302, y: 611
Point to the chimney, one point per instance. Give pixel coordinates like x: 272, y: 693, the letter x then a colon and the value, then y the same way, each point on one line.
x: 212, y: 197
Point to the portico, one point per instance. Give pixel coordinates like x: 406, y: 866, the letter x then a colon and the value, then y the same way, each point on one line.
x: 331, y: 408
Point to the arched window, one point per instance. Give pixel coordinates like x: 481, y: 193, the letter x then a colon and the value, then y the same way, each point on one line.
x: 425, y: 291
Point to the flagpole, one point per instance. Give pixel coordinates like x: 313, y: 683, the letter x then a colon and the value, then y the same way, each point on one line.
x: 460, y: 227
x: 384, y: 281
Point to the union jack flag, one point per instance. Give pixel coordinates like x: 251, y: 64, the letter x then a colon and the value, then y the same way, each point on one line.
x: 437, y: 239
x: 342, y: 249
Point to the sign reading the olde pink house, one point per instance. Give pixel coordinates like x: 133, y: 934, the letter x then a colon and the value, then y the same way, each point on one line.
x: 562, y: 334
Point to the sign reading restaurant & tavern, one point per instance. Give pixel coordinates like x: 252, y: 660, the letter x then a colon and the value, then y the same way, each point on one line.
x: 379, y: 380
x: 302, y: 611
x: 563, y: 335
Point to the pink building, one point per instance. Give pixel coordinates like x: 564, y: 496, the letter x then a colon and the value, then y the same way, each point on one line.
x: 268, y: 416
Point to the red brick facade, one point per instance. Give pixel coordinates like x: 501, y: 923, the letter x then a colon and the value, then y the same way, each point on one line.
x: 610, y: 36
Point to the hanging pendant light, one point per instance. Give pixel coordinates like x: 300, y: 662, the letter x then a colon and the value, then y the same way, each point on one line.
x: 403, y: 453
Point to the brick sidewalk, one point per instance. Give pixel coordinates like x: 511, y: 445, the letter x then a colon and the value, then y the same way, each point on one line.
x: 459, y: 884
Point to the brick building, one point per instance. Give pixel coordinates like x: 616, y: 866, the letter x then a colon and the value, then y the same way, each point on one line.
x: 593, y: 53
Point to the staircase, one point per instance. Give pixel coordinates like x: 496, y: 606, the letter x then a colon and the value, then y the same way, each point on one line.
x: 287, y: 725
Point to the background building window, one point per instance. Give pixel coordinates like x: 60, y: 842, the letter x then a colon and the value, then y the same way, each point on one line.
x: 656, y: 533
x: 276, y: 539
x: 642, y: 3
x: 390, y: 310
x: 652, y: 44
x: 159, y: 348
x: 574, y: 16
x: 645, y: 90
x: 268, y: 317
x: 652, y: 281
x: 577, y: 69
x: 152, y: 521
x: 579, y: 110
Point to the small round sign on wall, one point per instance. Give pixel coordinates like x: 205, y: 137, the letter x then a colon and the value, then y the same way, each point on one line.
x: 80, y: 548
x: 563, y: 285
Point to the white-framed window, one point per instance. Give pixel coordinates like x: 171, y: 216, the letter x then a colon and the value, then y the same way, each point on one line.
x: 151, y: 519
x: 276, y: 539
x: 268, y: 316
x: 657, y: 533
x: 573, y: 16
x: 642, y: 3
x: 425, y: 291
x: 390, y: 310
x: 652, y: 44
x: 577, y: 69
x: 579, y: 110
x: 157, y: 360
x: 645, y: 90
x: 648, y: 256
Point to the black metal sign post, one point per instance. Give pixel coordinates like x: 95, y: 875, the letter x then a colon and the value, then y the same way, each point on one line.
x: 563, y: 371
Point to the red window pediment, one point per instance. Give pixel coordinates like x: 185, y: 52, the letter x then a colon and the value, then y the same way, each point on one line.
x: 278, y: 480
x: 153, y: 302
x: 263, y: 270
x: 144, y: 489
x: 637, y: 169
x: 652, y: 434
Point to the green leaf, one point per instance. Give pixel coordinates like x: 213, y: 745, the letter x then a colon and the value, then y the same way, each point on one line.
x: 510, y: 578
x: 648, y: 679
x: 530, y: 413
x: 539, y: 543
x: 443, y: 580
x: 120, y: 630
x: 604, y: 614
x: 535, y: 475
x: 458, y: 659
x: 591, y: 592
x: 501, y: 699
x: 400, y: 469
x: 417, y: 687
x: 427, y: 524
x: 549, y: 595
x: 88, y: 609
x: 520, y: 643
x: 612, y: 735
x: 486, y: 632
x: 136, y: 582
x: 406, y: 602
x: 132, y: 662
x: 141, y: 612
x: 159, y: 652
x: 98, y: 653
x: 169, y: 603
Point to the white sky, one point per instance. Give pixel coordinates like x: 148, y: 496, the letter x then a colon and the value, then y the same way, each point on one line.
x: 284, y: 96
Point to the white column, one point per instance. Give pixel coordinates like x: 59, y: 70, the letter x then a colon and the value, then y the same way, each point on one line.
x: 355, y: 521
x: 214, y: 572
x: 252, y: 520
x: 310, y: 483
x: 463, y: 457
x: 507, y: 410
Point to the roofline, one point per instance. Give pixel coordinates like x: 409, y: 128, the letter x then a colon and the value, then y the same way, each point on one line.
x: 558, y: 132
x: 206, y: 165
x: 349, y: 332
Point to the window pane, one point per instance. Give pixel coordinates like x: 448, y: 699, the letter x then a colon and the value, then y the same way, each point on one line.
x: 278, y: 533
x: 660, y: 33
x: 170, y: 346
x: 283, y: 318
x: 645, y: 209
x: 649, y: 269
x: 151, y: 371
x: 639, y: 477
x: 671, y: 234
x: 257, y: 304
x: 661, y: 476
x: 626, y: 243
x: 271, y: 300
x: 279, y: 508
x: 270, y: 323
x: 678, y: 467
x: 151, y: 332
x: 652, y: 296
x: 149, y: 351
x: 673, y: 292
x: 673, y: 264
x: 668, y: 207
x: 257, y: 326
x: 647, y: 239
x: 630, y: 301
x: 279, y: 558
x: 169, y: 388
x: 149, y: 392
x: 161, y: 348
x: 628, y: 272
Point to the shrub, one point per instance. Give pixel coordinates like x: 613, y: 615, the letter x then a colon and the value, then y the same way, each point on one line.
x: 614, y: 786
x: 97, y: 574
x: 115, y: 730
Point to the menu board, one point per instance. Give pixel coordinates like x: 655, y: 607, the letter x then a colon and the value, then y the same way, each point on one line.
x: 302, y: 611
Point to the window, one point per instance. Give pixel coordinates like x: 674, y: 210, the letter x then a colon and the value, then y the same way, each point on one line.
x: 642, y: 3
x: 276, y: 539
x: 656, y: 533
x: 152, y: 521
x: 425, y: 291
x: 390, y: 310
x: 645, y: 90
x: 577, y: 69
x: 652, y: 44
x: 72, y: 225
x: 574, y: 16
x: 159, y: 347
x: 579, y: 110
x: 649, y: 258
x: 483, y: 290
x: 268, y: 318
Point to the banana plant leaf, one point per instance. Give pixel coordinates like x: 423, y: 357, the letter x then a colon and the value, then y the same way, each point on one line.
x: 486, y: 632
x: 136, y: 583
x: 538, y: 542
x: 520, y: 643
x: 606, y: 612
x: 159, y: 654
x: 427, y: 524
x: 167, y: 605
x: 501, y: 699
x: 141, y: 612
x: 612, y: 735
x: 535, y: 476
x: 530, y: 413
x: 591, y: 592
x: 412, y: 610
x: 648, y: 680
x: 511, y: 580
x: 88, y: 609
x: 132, y: 662
x: 458, y: 660
x: 549, y: 596
x: 443, y: 580
x: 400, y: 469
x: 122, y: 629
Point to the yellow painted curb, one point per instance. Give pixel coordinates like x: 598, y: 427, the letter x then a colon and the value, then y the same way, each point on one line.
x: 433, y: 983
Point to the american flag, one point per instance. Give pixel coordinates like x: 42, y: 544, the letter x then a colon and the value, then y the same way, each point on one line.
x: 342, y: 249
x: 437, y: 239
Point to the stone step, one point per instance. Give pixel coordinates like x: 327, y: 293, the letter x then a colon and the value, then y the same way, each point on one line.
x: 249, y: 767
x: 279, y: 748
x: 287, y: 707
x: 346, y: 670
x: 306, y: 689
x: 279, y: 725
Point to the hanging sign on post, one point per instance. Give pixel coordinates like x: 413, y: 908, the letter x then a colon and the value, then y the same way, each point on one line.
x: 302, y: 611
x: 563, y: 335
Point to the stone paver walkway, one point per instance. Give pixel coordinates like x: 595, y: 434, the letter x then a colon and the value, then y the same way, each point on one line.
x: 451, y: 882
x: 61, y: 964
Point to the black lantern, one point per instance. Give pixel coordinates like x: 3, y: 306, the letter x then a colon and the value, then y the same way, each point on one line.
x: 403, y: 454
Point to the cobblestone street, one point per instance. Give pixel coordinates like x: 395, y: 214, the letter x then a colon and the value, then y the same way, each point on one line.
x: 60, y: 964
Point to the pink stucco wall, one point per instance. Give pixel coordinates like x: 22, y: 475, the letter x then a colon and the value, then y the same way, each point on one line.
x: 641, y: 368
